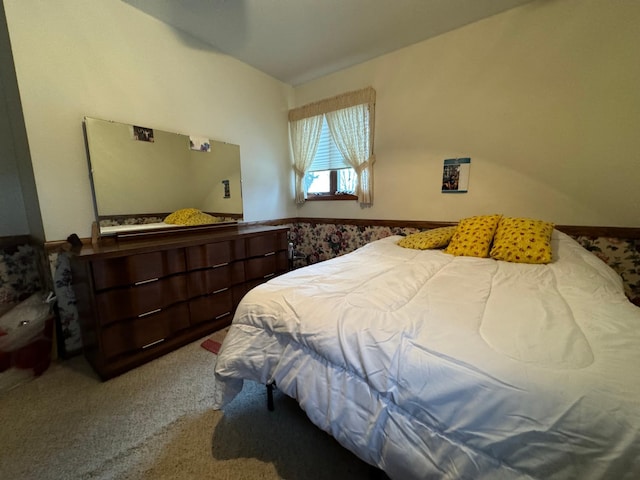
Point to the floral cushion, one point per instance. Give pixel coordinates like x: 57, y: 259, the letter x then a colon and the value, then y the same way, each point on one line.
x: 473, y: 236
x: 434, y: 238
x: 522, y: 240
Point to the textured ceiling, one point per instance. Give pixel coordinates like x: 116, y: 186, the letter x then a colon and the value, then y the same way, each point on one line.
x: 297, y: 41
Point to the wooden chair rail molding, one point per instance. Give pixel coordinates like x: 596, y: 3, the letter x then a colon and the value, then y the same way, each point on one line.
x: 630, y: 233
x: 574, y: 230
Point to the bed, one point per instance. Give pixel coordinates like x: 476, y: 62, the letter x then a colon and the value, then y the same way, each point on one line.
x: 431, y: 365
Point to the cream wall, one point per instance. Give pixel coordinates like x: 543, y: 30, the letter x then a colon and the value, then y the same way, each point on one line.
x: 544, y: 98
x: 109, y: 60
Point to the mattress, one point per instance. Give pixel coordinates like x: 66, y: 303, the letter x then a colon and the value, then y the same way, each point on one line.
x: 428, y: 365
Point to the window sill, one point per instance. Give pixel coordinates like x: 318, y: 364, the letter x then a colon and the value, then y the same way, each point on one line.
x: 322, y: 197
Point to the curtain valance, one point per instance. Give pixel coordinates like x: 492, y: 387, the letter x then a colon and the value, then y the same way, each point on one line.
x: 344, y: 100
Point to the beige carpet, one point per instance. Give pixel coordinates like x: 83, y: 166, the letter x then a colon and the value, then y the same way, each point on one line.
x: 156, y: 422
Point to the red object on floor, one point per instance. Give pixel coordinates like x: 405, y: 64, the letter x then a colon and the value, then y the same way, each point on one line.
x: 211, y: 345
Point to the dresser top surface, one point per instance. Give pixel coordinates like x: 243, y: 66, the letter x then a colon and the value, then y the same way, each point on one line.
x: 145, y: 242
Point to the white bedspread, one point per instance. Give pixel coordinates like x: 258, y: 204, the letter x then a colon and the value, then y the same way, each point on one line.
x: 434, y: 366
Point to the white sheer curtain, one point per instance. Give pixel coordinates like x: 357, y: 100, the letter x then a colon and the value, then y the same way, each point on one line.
x: 305, y: 135
x: 351, y: 132
x: 351, y: 118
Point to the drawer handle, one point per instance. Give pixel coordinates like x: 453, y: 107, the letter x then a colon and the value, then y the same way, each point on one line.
x: 269, y: 275
x: 149, y: 313
x: 269, y: 254
x: 220, y: 265
x: 220, y: 290
x: 152, y: 343
x: 142, y: 282
x: 223, y: 315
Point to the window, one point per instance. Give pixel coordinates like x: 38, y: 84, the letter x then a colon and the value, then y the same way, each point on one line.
x: 332, y: 148
x: 329, y: 175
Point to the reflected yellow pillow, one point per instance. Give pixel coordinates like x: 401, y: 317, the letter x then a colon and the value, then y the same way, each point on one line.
x: 434, y: 238
x: 200, y: 218
x: 522, y: 240
x: 473, y: 236
x: 180, y: 216
x: 190, y: 216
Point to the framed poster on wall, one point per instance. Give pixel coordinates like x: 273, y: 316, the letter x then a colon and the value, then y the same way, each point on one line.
x: 455, y: 175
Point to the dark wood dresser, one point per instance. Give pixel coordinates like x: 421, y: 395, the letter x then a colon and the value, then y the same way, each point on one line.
x: 142, y: 297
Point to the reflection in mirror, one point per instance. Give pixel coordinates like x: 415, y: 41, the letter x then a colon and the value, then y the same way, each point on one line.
x: 140, y: 175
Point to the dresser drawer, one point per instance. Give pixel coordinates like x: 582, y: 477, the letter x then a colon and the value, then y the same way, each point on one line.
x: 141, y: 300
x: 265, y: 244
x: 210, y: 255
x: 142, y: 333
x: 267, y: 266
x: 212, y: 280
x: 211, y: 307
x: 114, y: 272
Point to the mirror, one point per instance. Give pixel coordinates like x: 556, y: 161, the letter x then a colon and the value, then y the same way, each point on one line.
x: 140, y: 174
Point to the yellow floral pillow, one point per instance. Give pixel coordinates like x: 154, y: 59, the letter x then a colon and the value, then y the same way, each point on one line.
x: 434, y: 238
x: 522, y: 240
x: 473, y: 236
x: 190, y: 216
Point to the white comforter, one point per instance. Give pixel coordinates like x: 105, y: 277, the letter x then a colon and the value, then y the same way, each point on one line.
x: 434, y: 366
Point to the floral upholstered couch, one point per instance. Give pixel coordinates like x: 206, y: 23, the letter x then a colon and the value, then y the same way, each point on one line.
x: 26, y: 321
x: 20, y: 274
